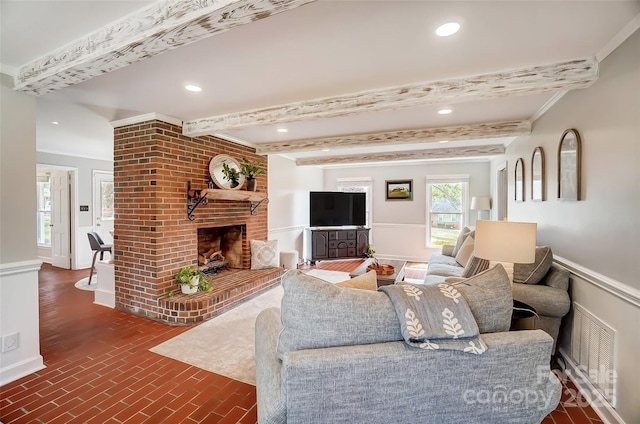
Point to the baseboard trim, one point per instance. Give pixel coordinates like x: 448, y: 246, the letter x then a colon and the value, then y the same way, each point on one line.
x: 618, y: 289
x: 603, y: 408
x: 21, y: 369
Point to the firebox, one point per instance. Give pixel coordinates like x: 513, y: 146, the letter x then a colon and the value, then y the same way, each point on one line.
x: 220, y: 247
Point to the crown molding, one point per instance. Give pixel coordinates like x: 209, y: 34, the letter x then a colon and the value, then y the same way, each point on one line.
x: 144, y: 118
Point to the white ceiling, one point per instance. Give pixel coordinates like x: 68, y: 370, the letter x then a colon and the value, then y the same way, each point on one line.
x: 318, y: 50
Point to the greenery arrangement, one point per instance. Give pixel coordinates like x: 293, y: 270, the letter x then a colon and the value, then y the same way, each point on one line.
x: 251, y: 169
x: 230, y: 174
x: 369, y: 253
x: 186, y: 276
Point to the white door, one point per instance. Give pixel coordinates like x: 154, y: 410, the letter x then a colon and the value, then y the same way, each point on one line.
x: 60, y: 220
x: 103, y: 205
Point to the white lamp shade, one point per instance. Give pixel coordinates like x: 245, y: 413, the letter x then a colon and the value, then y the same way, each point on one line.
x: 506, y: 241
x: 480, y: 204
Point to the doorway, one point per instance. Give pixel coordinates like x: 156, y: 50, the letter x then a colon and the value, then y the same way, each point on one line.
x: 55, y: 217
x: 103, y: 205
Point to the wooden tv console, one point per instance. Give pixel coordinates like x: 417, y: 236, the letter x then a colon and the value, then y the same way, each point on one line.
x: 335, y: 243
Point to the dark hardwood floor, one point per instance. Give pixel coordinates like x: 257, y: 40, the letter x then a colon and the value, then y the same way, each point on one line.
x: 100, y: 370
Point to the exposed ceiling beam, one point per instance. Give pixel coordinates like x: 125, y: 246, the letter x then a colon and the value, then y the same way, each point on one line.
x: 567, y: 75
x: 163, y: 26
x: 448, y: 153
x: 422, y: 135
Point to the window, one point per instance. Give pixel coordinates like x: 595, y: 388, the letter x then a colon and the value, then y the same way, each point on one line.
x: 44, y: 210
x: 358, y: 185
x: 447, y: 199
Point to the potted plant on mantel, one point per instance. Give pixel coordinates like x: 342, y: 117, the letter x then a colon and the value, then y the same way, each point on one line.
x: 231, y: 174
x: 251, y: 170
x: 190, y: 279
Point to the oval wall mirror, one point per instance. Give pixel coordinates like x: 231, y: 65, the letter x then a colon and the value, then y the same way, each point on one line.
x: 569, y: 152
x: 519, y: 181
x: 216, y: 166
x: 537, y: 175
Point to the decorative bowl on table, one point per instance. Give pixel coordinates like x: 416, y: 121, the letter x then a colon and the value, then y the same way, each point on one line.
x: 382, y: 269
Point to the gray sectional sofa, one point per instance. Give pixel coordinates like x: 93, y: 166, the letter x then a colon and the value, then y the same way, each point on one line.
x: 336, y: 355
x: 542, y: 285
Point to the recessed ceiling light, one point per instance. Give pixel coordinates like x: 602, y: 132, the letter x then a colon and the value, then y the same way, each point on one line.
x: 55, y: 122
x: 444, y: 111
x: 325, y: 150
x: 282, y: 130
x: 447, y: 29
x: 443, y: 141
x: 191, y: 87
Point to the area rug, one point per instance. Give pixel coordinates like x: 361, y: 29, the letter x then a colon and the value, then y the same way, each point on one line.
x: 83, y: 284
x: 225, y: 344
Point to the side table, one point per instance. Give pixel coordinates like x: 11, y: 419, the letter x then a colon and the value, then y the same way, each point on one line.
x: 524, y: 317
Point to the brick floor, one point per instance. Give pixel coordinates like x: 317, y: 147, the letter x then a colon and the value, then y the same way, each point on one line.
x: 100, y: 369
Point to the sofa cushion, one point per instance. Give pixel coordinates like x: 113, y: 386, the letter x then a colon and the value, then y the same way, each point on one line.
x: 490, y: 298
x: 465, y: 251
x: 317, y: 314
x: 438, y: 258
x: 533, y: 273
x: 445, y: 270
x: 474, y: 266
x: 366, y: 281
x: 462, y: 235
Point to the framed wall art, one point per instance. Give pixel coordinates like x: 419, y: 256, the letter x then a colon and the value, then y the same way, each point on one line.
x: 399, y: 189
x: 519, y: 181
x: 569, y: 158
x: 538, y: 190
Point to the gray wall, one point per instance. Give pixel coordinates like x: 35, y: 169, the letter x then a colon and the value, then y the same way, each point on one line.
x: 289, y: 187
x: 597, y: 238
x: 17, y: 174
x: 399, y: 227
x: 599, y: 232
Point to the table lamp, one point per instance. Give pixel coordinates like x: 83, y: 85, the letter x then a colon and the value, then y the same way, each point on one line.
x: 480, y: 204
x: 506, y: 242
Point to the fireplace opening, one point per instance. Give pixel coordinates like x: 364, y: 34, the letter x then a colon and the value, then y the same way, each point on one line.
x: 220, y: 248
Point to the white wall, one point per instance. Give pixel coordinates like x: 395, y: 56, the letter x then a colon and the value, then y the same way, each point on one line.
x: 399, y: 227
x: 18, y: 253
x: 289, y: 187
x: 598, y: 236
x: 83, y: 222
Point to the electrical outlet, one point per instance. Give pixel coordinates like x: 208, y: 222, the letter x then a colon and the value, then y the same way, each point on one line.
x: 9, y: 342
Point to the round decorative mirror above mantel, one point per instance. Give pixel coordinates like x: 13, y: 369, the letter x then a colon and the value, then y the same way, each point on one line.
x: 217, y: 172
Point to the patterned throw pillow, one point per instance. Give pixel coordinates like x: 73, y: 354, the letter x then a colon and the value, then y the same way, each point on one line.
x: 264, y: 254
x: 475, y: 266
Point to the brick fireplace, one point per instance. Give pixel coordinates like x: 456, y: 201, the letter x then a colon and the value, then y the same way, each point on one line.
x: 153, y: 163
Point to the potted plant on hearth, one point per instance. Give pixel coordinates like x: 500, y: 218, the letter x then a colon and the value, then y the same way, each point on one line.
x: 231, y: 174
x: 190, y: 279
x: 251, y: 170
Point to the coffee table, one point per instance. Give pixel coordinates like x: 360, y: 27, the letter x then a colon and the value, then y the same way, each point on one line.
x: 383, y: 280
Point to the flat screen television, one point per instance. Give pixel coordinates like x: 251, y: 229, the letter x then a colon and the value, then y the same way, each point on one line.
x: 335, y: 208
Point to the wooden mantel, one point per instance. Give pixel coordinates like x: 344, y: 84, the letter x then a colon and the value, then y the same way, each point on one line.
x: 198, y: 197
x: 237, y: 195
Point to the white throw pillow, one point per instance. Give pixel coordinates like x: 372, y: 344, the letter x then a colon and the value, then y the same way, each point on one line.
x: 465, y: 252
x: 264, y: 254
